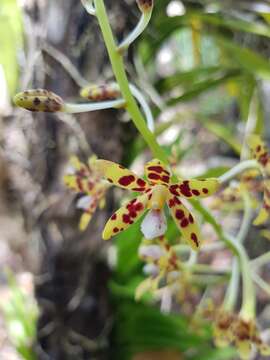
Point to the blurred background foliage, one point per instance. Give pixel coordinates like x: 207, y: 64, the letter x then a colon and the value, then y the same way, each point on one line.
x: 205, y: 70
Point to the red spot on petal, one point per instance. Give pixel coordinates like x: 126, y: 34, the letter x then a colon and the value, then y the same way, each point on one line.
x: 191, y: 219
x: 174, y: 189
x: 195, y: 192
x: 205, y: 191
x: 113, y: 217
x: 179, y: 214
x: 184, y: 222
x: 126, y: 218
x: 153, y: 176
x: 141, y: 182
x: 138, y: 189
x: 165, y: 178
x: 171, y: 203
x: 138, y: 206
x: 90, y: 185
x: 126, y: 180
x: 115, y: 230
x: 185, y: 189
x: 79, y: 184
x: 133, y: 214
x: 195, y: 239
x: 157, y: 169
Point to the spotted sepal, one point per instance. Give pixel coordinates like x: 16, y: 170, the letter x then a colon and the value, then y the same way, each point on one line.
x: 79, y: 177
x: 87, y: 216
x: 260, y: 153
x: 120, y: 176
x: 195, y: 188
x: 184, y: 221
x: 39, y: 100
x: 125, y: 216
x: 157, y: 173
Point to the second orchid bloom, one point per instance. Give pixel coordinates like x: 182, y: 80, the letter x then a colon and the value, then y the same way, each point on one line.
x: 157, y: 191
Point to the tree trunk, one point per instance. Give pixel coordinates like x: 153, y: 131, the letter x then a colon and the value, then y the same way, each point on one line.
x: 72, y: 277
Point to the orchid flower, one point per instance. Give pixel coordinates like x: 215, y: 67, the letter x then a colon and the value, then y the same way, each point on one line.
x: 84, y: 179
x: 260, y: 153
x: 157, y: 191
x: 166, y: 278
x: 231, y: 328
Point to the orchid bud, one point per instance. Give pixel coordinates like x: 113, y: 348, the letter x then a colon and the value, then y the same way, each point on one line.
x: 39, y: 100
x: 102, y: 92
x: 145, y: 5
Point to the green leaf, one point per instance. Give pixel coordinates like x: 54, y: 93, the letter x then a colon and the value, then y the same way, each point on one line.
x: 11, y: 35
x: 141, y: 328
x: 223, y: 132
x: 204, y: 86
x: 246, y: 58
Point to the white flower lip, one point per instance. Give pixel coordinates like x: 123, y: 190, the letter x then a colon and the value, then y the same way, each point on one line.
x: 154, y: 224
x: 151, y: 269
x: 84, y: 202
x: 153, y: 251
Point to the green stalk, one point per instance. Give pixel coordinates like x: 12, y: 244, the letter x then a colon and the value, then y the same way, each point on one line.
x: 238, y: 169
x: 249, y: 300
x: 122, y: 80
x: 142, y: 24
x: 94, y: 106
x: 231, y: 293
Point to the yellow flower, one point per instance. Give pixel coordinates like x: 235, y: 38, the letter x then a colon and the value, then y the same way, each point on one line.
x: 84, y: 179
x: 260, y: 153
x: 166, y: 278
x: 230, y: 328
x: 155, y: 193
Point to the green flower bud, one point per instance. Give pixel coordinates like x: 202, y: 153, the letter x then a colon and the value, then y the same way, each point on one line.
x: 39, y: 100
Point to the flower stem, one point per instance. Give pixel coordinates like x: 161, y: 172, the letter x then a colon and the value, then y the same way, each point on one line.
x: 136, y: 32
x: 147, y: 111
x: 122, y: 80
x: 261, y: 260
x: 237, y: 169
x: 249, y: 300
x: 231, y: 293
x: 80, y: 108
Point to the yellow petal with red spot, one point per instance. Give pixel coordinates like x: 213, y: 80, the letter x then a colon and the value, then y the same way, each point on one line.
x: 125, y: 216
x: 79, y: 184
x: 195, y: 188
x: 80, y: 177
x: 261, y: 154
x: 256, y: 145
x: 157, y: 173
x: 184, y: 221
x: 120, y: 176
